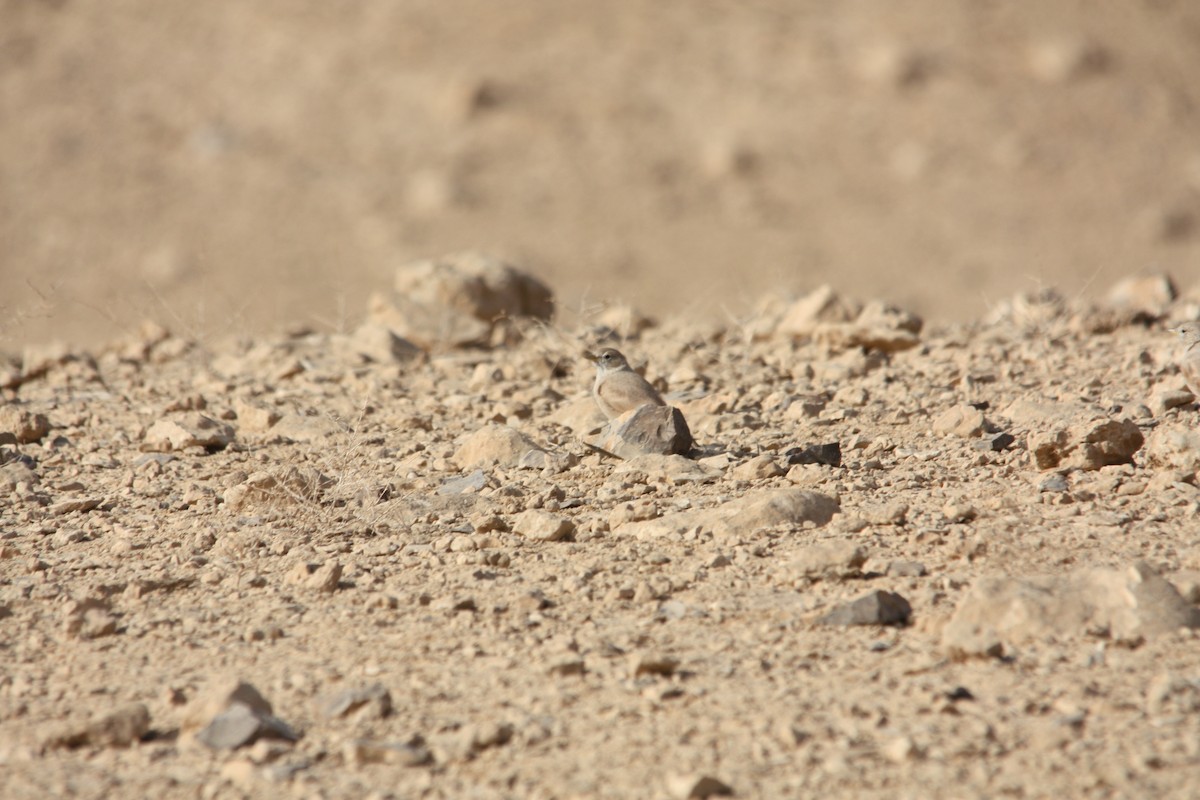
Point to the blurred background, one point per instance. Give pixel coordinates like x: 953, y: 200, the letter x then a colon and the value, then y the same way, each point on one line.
x: 244, y: 166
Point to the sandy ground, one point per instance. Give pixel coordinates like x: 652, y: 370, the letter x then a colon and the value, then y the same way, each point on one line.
x: 245, y: 167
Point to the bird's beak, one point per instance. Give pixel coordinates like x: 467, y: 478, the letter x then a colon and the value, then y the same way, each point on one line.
x: 589, y: 355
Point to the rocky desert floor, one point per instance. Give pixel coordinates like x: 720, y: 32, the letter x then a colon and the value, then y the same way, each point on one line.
x: 332, y: 522
x: 902, y: 560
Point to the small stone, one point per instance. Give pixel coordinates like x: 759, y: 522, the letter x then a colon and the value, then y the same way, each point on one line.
x: 905, y: 569
x: 676, y: 469
x: 996, y: 443
x: 17, y: 473
x: 363, y: 751
x: 235, y: 727
x: 878, y: 327
x: 636, y: 511
x: 1169, y: 445
x: 895, y: 513
x: 544, y: 460
x: 1091, y: 446
x: 959, y: 512
x: 622, y: 319
x: 301, y: 427
x: 459, y: 299
x: 1053, y: 483
x: 484, y: 287
x: 899, y: 750
x: 874, y: 608
x: 485, y: 735
x: 75, y: 504
x: 822, y: 305
x: 242, y: 773
x: 39, y: 359
x: 961, y: 420
x: 1164, y: 398
x: 494, y: 444
x: 1059, y: 60
x: 697, y: 787
x: 485, y: 522
x: 1147, y: 295
x: 320, y: 577
x: 829, y: 561
x: 463, y: 544
x: 233, y: 714
x: 1187, y: 583
x: 467, y: 483
x: 376, y: 342
x: 119, y: 728
x: 370, y: 702
x: 567, y: 667
x: 454, y: 604
x: 24, y: 425
x: 653, y: 664
x: 255, y: 418
x: 89, y: 619
x: 542, y: 526
x: 792, y: 507
x: 761, y: 467
x: 189, y: 430
x: 1172, y: 694
x: 647, y: 430
x: 829, y: 454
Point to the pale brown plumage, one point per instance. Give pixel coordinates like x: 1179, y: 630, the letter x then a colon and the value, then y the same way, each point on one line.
x: 618, y: 388
x: 1189, y: 359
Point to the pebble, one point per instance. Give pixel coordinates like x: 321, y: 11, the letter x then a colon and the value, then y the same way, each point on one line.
x: 645, y: 431
x: 232, y: 714
x: 1086, y: 446
x: 495, y: 445
x: 906, y: 569
x: 829, y: 561
x: 761, y: 467
x: 874, y: 608
x: 369, y: 702
x: 22, y: 425
x: 322, y: 577
x: 119, y: 728
x: 650, y: 663
x: 542, y: 526
x: 961, y: 420
x: 188, y: 430
x: 829, y: 454
x: 360, y: 752
x: 697, y: 787
x: 89, y: 619
x: 467, y: 483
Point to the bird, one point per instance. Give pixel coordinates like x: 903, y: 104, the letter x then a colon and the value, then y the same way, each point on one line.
x: 618, y: 388
x: 1189, y: 360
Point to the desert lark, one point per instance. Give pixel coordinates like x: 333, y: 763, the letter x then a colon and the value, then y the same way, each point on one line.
x: 618, y: 388
x: 1189, y: 359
